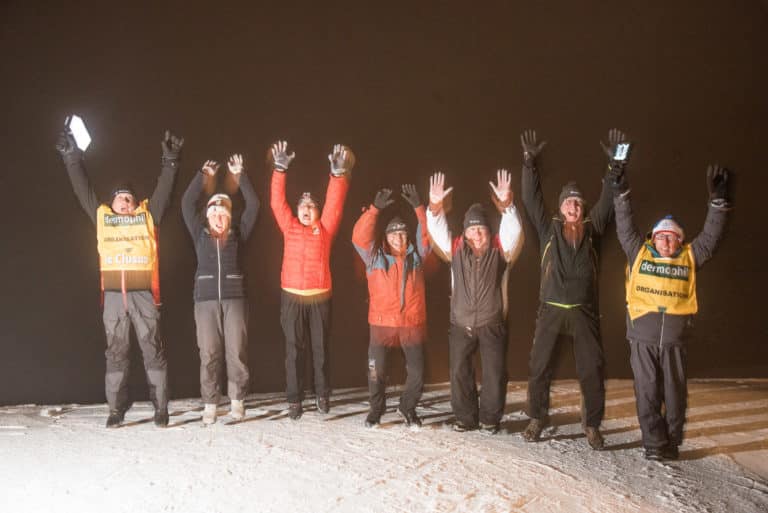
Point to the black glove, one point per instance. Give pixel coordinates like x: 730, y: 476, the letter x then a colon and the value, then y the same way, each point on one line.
x: 66, y: 145
x: 717, y: 184
x: 615, y: 137
x: 382, y: 201
x: 281, y: 159
x: 411, y: 195
x: 531, y: 148
x: 171, y: 146
x: 617, y: 178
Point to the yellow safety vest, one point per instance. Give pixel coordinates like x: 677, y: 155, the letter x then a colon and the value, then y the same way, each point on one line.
x: 126, y: 242
x: 657, y: 284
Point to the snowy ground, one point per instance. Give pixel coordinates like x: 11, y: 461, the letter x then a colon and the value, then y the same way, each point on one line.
x: 62, y: 459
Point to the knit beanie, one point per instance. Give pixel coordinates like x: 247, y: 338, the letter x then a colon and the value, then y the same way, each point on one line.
x: 570, y: 190
x: 668, y: 225
x: 395, y: 225
x: 219, y: 203
x: 476, y: 216
x: 308, y: 197
x: 123, y: 188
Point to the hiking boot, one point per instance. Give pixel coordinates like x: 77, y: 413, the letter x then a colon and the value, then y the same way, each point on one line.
x: 209, y: 414
x: 161, y: 417
x: 115, y: 418
x: 372, y: 420
x: 237, y: 409
x: 460, y: 427
x: 594, y: 438
x: 489, y: 429
x: 533, y: 430
x: 670, y: 452
x: 323, y: 404
x: 410, y: 418
x: 654, y: 453
x: 295, y: 411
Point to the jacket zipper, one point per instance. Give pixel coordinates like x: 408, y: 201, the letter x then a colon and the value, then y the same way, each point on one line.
x: 218, y: 261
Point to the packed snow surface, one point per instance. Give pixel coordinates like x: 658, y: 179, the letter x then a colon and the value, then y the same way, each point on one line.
x: 61, y: 458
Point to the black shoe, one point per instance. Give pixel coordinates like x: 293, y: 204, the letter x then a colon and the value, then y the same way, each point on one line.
x: 654, y: 453
x: 410, y: 418
x: 372, y: 420
x: 533, y: 430
x: 670, y: 452
x: 295, y: 411
x: 594, y: 438
x: 161, y: 418
x: 115, y: 418
x: 323, y: 404
x: 460, y: 427
x: 489, y: 429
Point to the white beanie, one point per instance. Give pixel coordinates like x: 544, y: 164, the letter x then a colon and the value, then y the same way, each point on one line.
x: 219, y: 203
x: 668, y: 225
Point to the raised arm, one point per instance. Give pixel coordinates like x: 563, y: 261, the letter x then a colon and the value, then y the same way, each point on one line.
x: 531, y: 184
x: 251, y: 210
x: 161, y: 196
x: 363, y: 233
x: 192, y: 218
x: 510, y: 228
x: 705, y: 243
x: 437, y: 225
x: 281, y: 159
x: 342, y: 161
x: 72, y: 157
x: 602, y: 212
x: 411, y: 195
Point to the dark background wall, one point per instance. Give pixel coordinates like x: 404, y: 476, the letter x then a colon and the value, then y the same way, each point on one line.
x: 412, y: 89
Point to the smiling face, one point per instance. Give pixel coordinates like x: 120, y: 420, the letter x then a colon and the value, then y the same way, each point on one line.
x: 123, y: 203
x: 667, y: 244
x: 397, y: 242
x: 478, y: 237
x: 219, y: 221
x: 308, y: 213
x: 572, y: 210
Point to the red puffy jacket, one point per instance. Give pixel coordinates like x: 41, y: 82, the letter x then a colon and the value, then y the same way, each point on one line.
x: 307, y: 249
x: 395, y: 284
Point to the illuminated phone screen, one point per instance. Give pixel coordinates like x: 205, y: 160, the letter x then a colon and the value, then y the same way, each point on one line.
x: 77, y: 127
x: 621, y: 151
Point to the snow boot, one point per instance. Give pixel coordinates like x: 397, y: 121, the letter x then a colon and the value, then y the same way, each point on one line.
x: 237, y: 409
x: 115, y: 418
x: 323, y: 404
x: 460, y: 427
x: 489, y: 429
x: 410, y: 418
x: 209, y: 414
x: 295, y: 411
x: 654, y: 453
x: 533, y: 430
x: 373, y: 419
x: 161, y: 417
x: 594, y: 438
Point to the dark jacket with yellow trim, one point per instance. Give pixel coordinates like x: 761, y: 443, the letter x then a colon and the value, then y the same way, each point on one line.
x: 660, y: 328
x: 568, y: 274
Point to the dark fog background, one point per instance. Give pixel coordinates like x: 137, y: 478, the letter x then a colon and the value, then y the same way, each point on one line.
x: 412, y: 88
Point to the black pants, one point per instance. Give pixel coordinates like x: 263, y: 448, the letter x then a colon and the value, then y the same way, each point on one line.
x: 411, y: 341
x: 137, y: 308
x: 222, y: 337
x: 660, y: 379
x: 492, y: 342
x: 305, y: 318
x: 583, y: 325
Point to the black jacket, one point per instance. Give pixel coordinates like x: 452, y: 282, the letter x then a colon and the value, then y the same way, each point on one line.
x: 660, y: 328
x: 158, y: 203
x: 219, y: 273
x: 568, y: 275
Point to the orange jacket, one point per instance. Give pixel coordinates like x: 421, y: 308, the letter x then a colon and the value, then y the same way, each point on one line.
x: 395, y: 284
x: 307, y: 249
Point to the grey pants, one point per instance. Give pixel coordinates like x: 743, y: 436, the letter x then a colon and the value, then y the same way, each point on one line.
x: 138, y: 308
x: 222, y: 337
